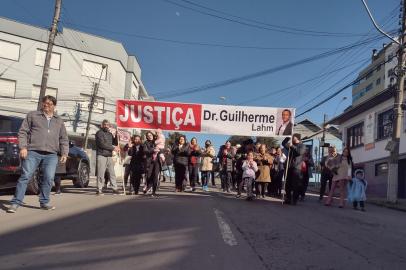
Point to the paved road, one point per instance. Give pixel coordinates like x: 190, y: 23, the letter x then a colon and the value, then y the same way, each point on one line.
x: 197, y: 231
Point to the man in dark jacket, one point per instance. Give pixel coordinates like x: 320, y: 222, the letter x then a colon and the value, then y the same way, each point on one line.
x: 41, y: 137
x: 137, y: 163
x: 326, y: 173
x: 296, y: 170
x: 106, y: 143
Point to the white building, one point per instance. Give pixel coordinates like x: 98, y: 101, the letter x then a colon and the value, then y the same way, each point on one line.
x: 367, y: 128
x: 76, y: 64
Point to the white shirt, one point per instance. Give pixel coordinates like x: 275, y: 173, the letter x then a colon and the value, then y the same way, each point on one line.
x: 282, y: 128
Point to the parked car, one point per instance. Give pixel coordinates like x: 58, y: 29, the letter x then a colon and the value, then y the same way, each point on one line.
x: 76, y: 168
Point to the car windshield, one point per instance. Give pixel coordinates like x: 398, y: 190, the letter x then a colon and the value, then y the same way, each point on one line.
x: 10, y: 124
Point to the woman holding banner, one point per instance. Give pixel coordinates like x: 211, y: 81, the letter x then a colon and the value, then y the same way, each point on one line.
x: 181, y: 152
x: 152, y: 164
x: 193, y: 168
x: 226, y: 156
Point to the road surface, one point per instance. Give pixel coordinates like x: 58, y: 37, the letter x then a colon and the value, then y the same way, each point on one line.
x: 197, y: 231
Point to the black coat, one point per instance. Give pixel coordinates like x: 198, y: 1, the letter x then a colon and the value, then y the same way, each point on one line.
x: 296, y: 154
x: 181, y: 156
x: 226, y: 161
x: 148, y: 148
x: 137, y: 158
x: 105, y: 142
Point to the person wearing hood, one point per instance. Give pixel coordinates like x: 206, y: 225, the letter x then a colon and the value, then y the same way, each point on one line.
x: 208, y: 153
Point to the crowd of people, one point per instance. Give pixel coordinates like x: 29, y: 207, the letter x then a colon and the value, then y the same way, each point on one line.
x: 252, y: 168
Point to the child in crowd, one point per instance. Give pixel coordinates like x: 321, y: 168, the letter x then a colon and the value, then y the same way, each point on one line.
x: 159, y: 146
x: 249, y: 168
x: 356, y: 190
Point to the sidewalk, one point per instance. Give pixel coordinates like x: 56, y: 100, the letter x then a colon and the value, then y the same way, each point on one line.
x: 400, y: 205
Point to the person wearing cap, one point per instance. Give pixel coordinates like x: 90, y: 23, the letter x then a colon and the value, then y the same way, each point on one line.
x: 296, y: 168
x: 106, y: 143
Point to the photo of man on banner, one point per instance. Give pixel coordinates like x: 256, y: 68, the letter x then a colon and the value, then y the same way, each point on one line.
x: 284, y: 127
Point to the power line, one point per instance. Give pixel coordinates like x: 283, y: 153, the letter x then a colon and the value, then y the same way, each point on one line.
x: 302, y: 82
x: 194, y: 43
x: 357, y: 80
x: 269, y: 28
x: 286, y: 28
x: 261, y: 73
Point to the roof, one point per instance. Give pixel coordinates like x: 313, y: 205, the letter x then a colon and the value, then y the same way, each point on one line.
x: 364, y: 106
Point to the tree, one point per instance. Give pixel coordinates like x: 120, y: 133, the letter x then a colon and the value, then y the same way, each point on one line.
x: 235, y: 139
x: 268, y: 141
x: 172, y: 138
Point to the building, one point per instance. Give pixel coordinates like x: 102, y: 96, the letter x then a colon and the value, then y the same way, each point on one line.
x: 366, y: 127
x: 312, y: 136
x: 376, y: 76
x: 76, y: 65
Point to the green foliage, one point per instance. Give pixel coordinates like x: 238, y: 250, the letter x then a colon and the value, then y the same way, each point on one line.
x: 269, y: 141
x: 172, y: 138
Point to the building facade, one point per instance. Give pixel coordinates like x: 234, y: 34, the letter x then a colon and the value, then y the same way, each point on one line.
x: 376, y: 76
x: 76, y: 65
x: 366, y: 127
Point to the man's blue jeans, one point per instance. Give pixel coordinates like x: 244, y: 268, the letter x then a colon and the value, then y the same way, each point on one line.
x: 48, y: 163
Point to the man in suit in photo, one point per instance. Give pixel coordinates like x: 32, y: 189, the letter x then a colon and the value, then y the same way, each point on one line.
x: 286, y: 127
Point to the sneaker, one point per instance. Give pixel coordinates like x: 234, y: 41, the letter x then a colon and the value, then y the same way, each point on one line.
x: 47, y: 207
x: 193, y: 189
x: 12, y: 208
x: 99, y: 193
x: 58, y: 192
x: 238, y: 196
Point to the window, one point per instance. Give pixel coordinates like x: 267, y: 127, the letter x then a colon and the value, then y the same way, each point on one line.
x: 9, y: 50
x: 355, y: 135
x: 55, y: 59
x: 94, y: 70
x: 369, y: 87
x: 385, y: 124
x: 381, y: 168
x: 378, y: 81
x: 391, y: 73
x: 378, y: 67
x: 369, y: 74
x: 49, y: 91
x: 7, y: 88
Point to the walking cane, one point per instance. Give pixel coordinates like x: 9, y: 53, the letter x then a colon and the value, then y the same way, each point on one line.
x: 285, y: 176
x: 121, y: 163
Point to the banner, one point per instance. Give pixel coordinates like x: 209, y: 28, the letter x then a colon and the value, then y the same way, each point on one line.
x: 205, y: 118
x: 369, y: 136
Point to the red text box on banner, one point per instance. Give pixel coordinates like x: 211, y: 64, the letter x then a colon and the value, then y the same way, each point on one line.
x: 162, y: 115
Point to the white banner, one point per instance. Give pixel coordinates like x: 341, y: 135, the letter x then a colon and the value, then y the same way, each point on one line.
x: 206, y: 118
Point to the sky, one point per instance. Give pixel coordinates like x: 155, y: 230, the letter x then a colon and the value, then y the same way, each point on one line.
x: 245, y: 43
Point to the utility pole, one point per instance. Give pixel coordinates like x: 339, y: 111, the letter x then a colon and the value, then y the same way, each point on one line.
x: 323, y: 138
x: 392, y: 190
x: 77, y: 117
x: 91, y: 105
x: 52, y: 35
x: 393, y: 145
